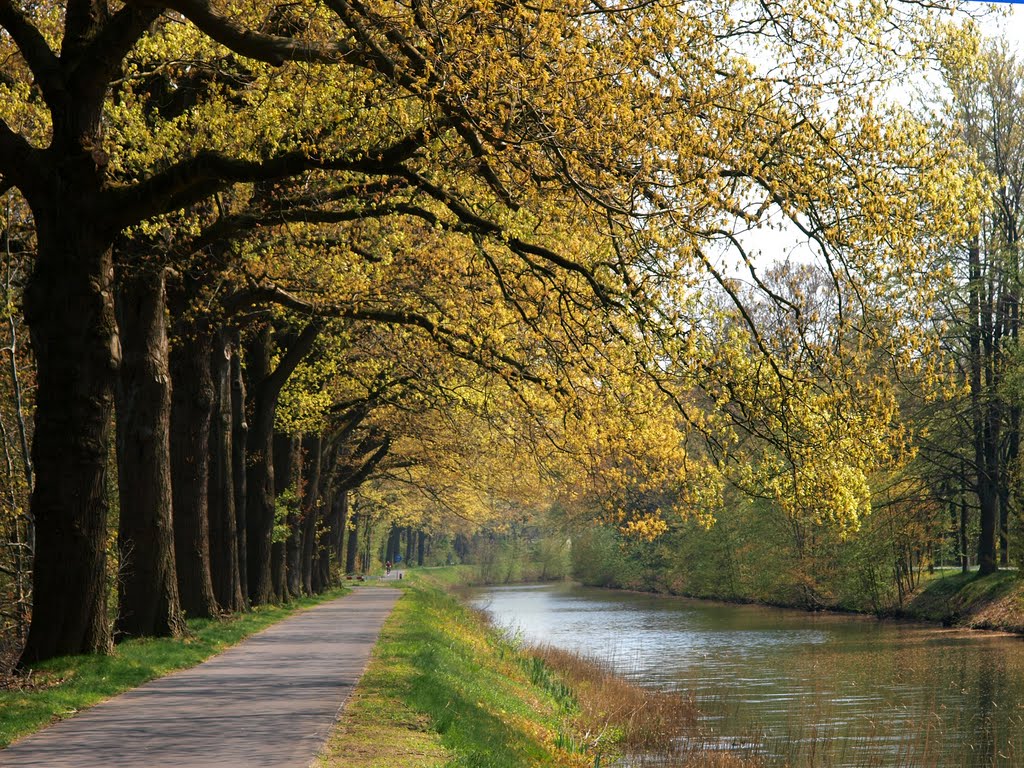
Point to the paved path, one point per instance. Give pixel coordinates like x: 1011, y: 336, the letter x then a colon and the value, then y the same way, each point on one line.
x: 269, y: 701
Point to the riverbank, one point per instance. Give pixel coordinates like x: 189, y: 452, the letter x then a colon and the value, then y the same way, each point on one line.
x: 445, y: 688
x: 994, y: 602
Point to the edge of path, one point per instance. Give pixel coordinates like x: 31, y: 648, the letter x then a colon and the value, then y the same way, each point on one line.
x: 302, y: 644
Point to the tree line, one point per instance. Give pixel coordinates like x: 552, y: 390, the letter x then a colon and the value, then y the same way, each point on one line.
x: 472, y: 251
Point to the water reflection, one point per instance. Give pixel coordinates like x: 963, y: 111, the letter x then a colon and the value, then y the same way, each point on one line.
x: 871, y: 693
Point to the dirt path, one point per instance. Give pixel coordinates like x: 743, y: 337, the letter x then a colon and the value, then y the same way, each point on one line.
x: 269, y: 701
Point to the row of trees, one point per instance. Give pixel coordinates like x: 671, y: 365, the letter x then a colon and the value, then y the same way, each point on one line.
x: 482, y: 252
x: 951, y: 493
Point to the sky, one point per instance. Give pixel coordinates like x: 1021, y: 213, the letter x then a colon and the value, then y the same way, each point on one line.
x: 1013, y: 26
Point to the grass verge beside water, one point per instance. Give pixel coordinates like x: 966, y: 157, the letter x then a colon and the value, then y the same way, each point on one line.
x: 446, y: 690
x: 61, y: 687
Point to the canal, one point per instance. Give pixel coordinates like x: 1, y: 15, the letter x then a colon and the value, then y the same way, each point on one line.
x: 804, y: 689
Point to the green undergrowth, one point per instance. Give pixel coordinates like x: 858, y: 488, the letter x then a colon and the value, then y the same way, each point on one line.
x: 446, y: 689
x: 60, y: 687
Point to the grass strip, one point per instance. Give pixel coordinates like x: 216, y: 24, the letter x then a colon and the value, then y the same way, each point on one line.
x: 445, y: 689
x: 60, y: 687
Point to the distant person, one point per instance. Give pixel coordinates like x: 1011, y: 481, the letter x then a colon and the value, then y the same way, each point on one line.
x: 387, y: 567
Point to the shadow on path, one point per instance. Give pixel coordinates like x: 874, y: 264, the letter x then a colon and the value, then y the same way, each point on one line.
x: 271, y: 700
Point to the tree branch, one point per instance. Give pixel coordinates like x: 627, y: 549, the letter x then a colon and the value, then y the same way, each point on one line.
x: 273, y: 49
x: 20, y: 164
x: 295, y: 354
x: 41, y: 60
x: 517, y: 245
x: 196, y: 178
x: 102, y: 55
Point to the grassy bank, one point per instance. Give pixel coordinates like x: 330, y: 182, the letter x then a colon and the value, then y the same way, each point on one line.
x: 969, y: 600
x: 61, y: 687
x: 444, y: 689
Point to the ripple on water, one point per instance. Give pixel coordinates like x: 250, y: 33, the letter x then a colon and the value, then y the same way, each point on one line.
x: 868, y: 691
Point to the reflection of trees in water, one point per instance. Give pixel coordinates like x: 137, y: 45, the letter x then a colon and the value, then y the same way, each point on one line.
x: 994, y: 737
x: 808, y: 690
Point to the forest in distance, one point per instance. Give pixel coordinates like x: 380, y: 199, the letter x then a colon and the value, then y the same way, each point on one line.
x: 291, y: 289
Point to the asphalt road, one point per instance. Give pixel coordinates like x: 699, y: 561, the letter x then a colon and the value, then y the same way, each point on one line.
x: 268, y: 701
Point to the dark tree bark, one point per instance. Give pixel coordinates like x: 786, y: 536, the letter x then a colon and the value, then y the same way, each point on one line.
x: 329, y: 534
x: 148, y: 603
x: 341, y: 502
x: 285, y: 556
x: 191, y: 407
x: 239, y: 441
x: 311, y: 507
x: 224, y: 566
x: 410, y: 537
x: 420, y: 545
x: 394, y: 546
x: 260, y: 471
x: 264, y: 390
x: 69, y: 310
x: 352, y: 548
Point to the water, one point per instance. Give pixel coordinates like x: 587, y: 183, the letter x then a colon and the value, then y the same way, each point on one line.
x: 811, y: 689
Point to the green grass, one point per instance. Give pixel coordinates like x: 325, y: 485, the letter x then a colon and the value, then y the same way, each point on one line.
x: 955, y: 599
x: 61, y: 687
x: 447, y: 690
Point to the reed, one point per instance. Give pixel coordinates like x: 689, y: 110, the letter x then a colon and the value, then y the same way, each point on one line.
x: 642, y: 726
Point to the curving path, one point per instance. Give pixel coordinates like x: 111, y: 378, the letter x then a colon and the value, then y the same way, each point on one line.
x: 271, y: 700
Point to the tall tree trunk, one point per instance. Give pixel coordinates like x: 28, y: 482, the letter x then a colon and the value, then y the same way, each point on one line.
x: 264, y: 390
x: 352, y: 548
x: 288, y: 477
x: 239, y: 441
x: 981, y: 414
x: 148, y: 602
x: 421, y: 538
x: 260, y: 472
x: 410, y: 537
x: 327, y: 536
x: 224, y: 571
x: 965, y: 557
x: 333, y: 547
x: 341, y: 501
x: 311, y: 507
x: 394, y: 543
x: 69, y: 309
x: 191, y: 406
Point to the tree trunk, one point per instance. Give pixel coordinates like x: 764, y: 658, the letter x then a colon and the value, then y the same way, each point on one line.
x: 69, y: 309
x: 148, y: 603
x: 341, y: 501
x: 421, y: 540
x: 394, y: 544
x: 260, y: 472
x: 223, y: 524
x: 264, y: 391
x: 288, y: 477
x: 312, y: 504
x: 191, y: 406
x: 352, y: 550
x: 981, y: 415
x: 239, y: 440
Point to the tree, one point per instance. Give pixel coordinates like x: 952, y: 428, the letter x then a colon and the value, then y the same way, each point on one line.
x: 526, y: 128
x: 982, y: 302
